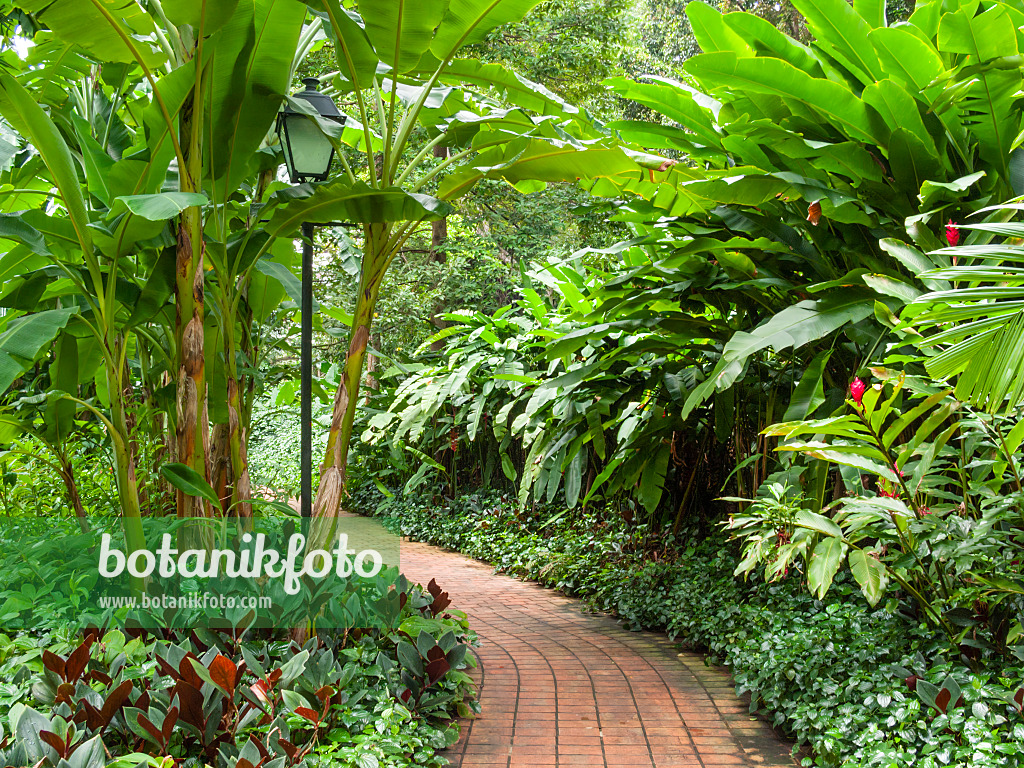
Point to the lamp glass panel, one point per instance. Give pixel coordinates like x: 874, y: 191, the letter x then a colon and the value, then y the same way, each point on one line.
x: 307, y: 151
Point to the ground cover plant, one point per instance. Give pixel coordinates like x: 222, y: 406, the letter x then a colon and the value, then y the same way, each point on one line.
x: 244, y: 696
x: 861, y: 686
x: 235, y: 701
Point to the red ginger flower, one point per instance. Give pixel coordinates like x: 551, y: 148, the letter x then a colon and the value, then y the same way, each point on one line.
x: 952, y: 234
x: 857, y: 390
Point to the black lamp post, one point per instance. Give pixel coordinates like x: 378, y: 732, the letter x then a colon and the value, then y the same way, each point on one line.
x: 308, y: 154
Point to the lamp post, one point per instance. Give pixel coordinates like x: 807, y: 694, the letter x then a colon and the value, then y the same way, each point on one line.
x: 308, y: 154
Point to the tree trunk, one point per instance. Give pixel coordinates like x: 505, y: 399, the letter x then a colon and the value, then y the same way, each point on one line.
x: 192, y: 435
x: 131, y: 424
x: 333, y: 470
x: 220, y: 465
x: 241, y: 488
x: 371, y: 367
x: 124, y: 467
x: 438, y: 236
x: 67, y: 474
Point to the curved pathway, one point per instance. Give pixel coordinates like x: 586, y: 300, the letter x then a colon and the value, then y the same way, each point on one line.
x: 564, y: 688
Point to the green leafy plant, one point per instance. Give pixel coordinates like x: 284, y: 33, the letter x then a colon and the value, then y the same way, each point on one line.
x: 935, y: 518
x: 829, y: 671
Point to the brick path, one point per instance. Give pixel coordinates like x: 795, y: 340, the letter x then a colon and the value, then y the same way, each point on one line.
x: 562, y: 688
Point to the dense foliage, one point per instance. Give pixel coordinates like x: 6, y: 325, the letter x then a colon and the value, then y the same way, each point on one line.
x: 807, y: 338
x: 382, y: 696
x: 861, y: 686
x: 236, y: 701
x: 764, y: 273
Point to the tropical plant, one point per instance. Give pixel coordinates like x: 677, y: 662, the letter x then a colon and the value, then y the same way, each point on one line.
x: 932, y: 504
x: 975, y: 322
x: 153, y: 132
x: 773, y: 264
x: 238, y: 702
x: 148, y: 156
x: 403, y: 74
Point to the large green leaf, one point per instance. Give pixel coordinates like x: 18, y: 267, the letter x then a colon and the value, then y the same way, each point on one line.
x: 870, y: 574
x: 765, y: 37
x: 778, y: 78
x: 251, y: 68
x: 159, y: 207
x: 156, y: 293
x: 824, y: 563
x: 574, y: 477
x: 356, y: 203
x: 264, y: 294
x: 97, y: 161
x: 190, y: 482
x: 652, y: 480
x: 25, y: 338
x: 792, y: 327
x: 841, y: 29
x: 675, y: 101
x: 24, y: 293
x: 899, y: 109
x: 110, y: 30
x: 285, y: 277
x: 21, y: 110
x: 14, y: 227
x: 712, y: 33
x: 401, y: 30
x: 850, y: 456
x: 207, y: 15
x: 469, y: 21
x: 872, y: 11
x: 146, y: 170
x: 915, y: 261
x: 989, y: 35
x: 357, y: 61
x: 513, y: 87
x: 818, y: 523
x: 60, y: 412
x: 531, y: 161
x: 906, y: 56
x: 809, y: 393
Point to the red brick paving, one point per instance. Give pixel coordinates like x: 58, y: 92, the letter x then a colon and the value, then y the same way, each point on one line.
x: 562, y: 688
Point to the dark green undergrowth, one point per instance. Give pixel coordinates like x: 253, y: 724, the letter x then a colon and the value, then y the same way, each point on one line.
x: 383, y: 696
x: 850, y: 681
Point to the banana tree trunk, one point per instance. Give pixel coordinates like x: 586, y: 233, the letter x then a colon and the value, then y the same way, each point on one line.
x: 124, y: 467
x: 241, y: 487
x: 192, y: 435
x: 371, y: 382
x: 220, y: 465
x: 346, y: 399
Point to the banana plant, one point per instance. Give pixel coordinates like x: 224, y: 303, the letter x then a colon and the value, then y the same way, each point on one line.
x: 409, y: 92
x: 168, y: 159
x: 90, y: 286
x: 156, y: 136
